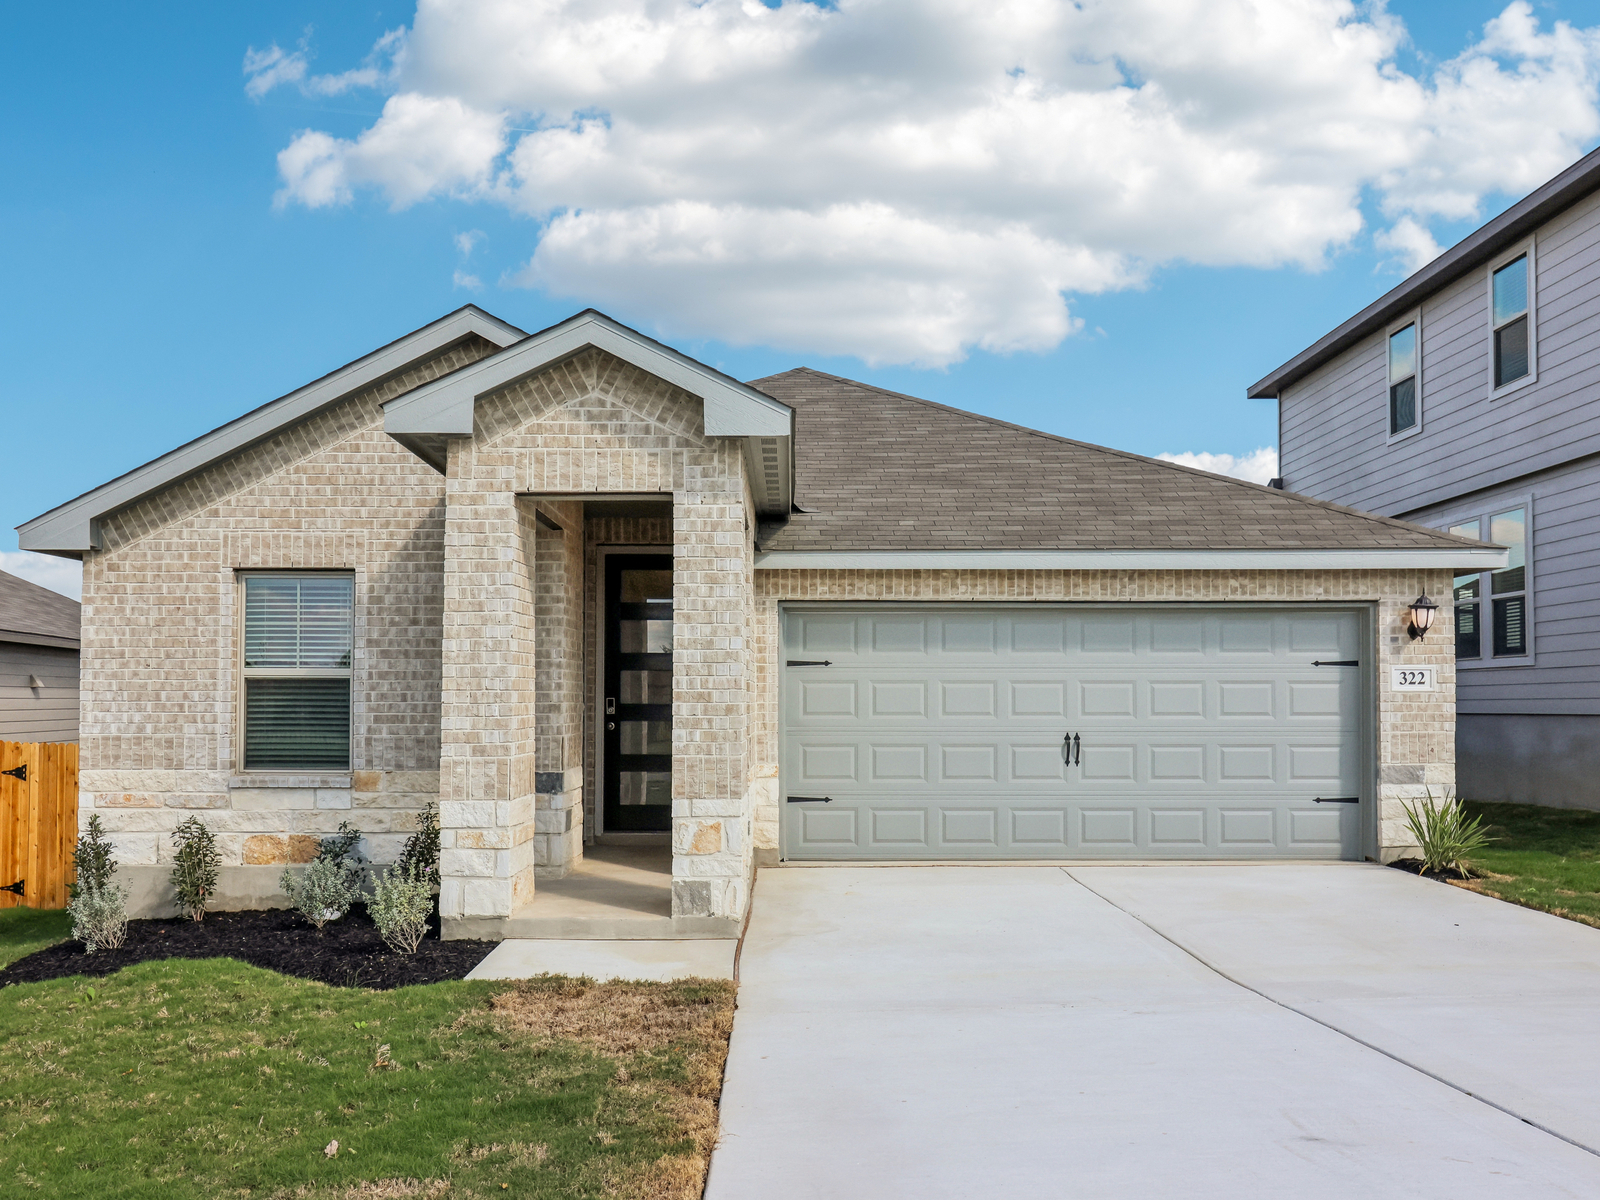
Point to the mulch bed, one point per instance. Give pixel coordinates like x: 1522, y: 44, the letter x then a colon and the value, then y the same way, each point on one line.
x: 1413, y: 865
x: 347, y: 953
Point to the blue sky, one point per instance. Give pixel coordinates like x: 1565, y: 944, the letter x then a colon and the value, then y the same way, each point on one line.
x: 151, y: 289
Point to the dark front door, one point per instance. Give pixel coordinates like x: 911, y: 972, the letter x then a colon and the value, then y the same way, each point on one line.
x: 637, y: 706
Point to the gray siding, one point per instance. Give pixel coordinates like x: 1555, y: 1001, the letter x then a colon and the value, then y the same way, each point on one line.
x: 45, y: 714
x: 1565, y: 616
x: 1334, y: 429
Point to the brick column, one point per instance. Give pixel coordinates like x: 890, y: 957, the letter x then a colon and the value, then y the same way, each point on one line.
x: 558, y: 609
x: 486, y: 757
x: 713, y: 596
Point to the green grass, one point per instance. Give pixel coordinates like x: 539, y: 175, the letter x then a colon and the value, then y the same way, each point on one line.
x: 1545, y: 858
x: 24, y: 930
x: 186, y: 1079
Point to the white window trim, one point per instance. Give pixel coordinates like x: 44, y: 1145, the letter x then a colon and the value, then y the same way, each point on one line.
x: 1510, y: 256
x: 240, y: 676
x: 1414, y: 317
x: 1481, y: 514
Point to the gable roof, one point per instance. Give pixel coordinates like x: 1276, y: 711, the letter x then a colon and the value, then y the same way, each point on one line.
x: 884, y: 479
x: 1473, y: 251
x: 424, y: 418
x: 36, y: 616
x: 71, y: 528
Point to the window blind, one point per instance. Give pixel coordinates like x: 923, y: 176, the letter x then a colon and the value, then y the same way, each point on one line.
x: 298, y: 643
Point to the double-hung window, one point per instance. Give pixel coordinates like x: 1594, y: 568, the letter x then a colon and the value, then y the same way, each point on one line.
x: 1511, y: 321
x: 1492, y: 612
x: 298, y: 637
x: 1403, y: 379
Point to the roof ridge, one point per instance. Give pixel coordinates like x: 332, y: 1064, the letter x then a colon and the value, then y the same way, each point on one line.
x: 1297, y: 497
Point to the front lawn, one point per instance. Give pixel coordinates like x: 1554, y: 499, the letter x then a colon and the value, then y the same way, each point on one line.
x: 24, y: 930
x: 177, y: 1079
x: 1545, y: 858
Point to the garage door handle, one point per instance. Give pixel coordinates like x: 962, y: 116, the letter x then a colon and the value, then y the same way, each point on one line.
x: 1337, y: 800
x: 1071, y: 749
x: 810, y: 799
x: 807, y: 662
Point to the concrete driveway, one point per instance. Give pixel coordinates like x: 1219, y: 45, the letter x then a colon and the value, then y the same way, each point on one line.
x: 1194, y: 1031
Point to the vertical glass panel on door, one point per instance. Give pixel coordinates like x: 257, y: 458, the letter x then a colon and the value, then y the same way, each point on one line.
x: 646, y: 737
x: 638, y: 789
x: 1510, y: 529
x: 646, y: 687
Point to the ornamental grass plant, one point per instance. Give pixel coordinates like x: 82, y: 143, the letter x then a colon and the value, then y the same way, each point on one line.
x: 1448, y: 836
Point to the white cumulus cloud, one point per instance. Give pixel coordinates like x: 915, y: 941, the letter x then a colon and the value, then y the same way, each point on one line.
x: 906, y: 180
x: 1258, y: 466
x: 64, y: 575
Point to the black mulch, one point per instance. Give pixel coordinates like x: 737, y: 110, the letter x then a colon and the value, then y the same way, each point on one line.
x: 1414, y: 865
x: 347, y: 953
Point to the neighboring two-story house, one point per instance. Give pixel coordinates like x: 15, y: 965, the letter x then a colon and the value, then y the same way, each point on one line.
x: 1468, y: 399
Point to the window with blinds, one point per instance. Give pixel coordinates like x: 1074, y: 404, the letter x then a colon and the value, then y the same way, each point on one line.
x: 298, y: 638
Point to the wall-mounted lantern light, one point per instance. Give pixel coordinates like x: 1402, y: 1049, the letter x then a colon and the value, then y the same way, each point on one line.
x: 1422, y: 610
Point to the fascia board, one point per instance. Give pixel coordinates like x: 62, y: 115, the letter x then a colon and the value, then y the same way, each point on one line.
x: 39, y: 639
x: 1486, y: 558
x: 445, y: 406
x: 70, y: 529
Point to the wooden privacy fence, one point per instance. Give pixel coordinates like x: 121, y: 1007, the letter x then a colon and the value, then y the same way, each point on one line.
x: 38, y: 822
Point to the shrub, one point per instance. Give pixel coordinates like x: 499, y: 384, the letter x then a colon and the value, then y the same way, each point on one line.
x: 1448, y: 837
x: 92, y: 859
x: 402, y: 901
x: 324, y: 891
x: 420, y: 857
x: 99, y: 917
x: 98, y: 908
x: 194, y: 866
x: 342, y: 845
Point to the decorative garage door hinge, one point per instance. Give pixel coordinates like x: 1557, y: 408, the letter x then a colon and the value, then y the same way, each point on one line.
x: 808, y: 662
x: 1343, y: 662
x: 810, y: 799
x: 1337, y: 800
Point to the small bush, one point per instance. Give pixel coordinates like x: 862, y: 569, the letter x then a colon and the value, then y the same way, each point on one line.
x: 420, y: 857
x: 99, y: 917
x: 194, y: 866
x: 402, y: 901
x: 324, y: 891
x: 1448, y: 837
x: 342, y: 845
x: 92, y: 859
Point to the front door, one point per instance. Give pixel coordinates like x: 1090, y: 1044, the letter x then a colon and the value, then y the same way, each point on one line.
x: 637, y: 706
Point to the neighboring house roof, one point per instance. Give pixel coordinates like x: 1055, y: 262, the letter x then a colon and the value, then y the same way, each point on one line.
x: 1471, y: 253
x: 880, y: 476
x: 36, y: 616
x: 424, y: 418
x: 71, y: 528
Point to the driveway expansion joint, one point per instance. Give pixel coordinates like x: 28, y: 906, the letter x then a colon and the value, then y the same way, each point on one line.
x: 1067, y: 871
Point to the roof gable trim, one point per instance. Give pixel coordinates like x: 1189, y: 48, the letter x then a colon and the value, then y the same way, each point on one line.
x: 445, y: 406
x: 72, y: 528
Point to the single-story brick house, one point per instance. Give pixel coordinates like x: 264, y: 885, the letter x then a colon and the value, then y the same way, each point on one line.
x: 576, y: 584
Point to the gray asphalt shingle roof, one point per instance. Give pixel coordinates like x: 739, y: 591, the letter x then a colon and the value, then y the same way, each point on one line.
x: 32, y: 613
x: 882, y: 471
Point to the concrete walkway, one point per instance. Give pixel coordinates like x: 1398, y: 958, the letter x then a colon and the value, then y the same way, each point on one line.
x: 1007, y: 1031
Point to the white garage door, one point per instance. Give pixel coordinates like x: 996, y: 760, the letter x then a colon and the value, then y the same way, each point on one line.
x: 946, y: 732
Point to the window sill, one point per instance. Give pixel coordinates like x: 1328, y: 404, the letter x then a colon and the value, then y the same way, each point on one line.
x: 290, y: 781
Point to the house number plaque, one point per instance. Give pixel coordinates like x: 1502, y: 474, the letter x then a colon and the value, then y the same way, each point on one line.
x: 1413, y: 679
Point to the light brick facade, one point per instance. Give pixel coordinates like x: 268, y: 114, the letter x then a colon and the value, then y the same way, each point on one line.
x: 475, y: 635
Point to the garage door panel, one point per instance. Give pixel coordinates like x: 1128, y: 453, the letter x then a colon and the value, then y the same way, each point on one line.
x: 1200, y: 735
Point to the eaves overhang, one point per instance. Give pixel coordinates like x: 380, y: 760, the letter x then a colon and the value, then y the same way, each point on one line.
x: 1462, y: 559
x: 425, y: 418
x: 73, y: 528
x: 1472, y: 252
